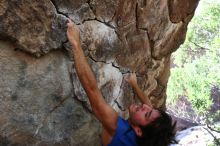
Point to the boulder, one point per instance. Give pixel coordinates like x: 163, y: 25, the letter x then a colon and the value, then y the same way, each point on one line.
x: 41, y: 99
x: 197, y: 135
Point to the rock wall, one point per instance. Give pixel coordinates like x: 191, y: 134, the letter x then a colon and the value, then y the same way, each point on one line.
x: 41, y: 99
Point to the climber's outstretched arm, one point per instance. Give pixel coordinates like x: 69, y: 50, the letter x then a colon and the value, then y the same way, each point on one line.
x: 132, y: 80
x: 103, y: 112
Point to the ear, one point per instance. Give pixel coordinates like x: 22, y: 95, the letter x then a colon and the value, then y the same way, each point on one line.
x: 138, y: 131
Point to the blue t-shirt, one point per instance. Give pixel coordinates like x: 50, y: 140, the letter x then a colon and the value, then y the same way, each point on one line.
x: 124, y: 135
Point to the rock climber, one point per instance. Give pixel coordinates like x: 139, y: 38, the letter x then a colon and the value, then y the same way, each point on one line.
x: 146, y: 126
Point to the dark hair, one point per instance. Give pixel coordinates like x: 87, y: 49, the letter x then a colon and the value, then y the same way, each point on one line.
x: 160, y: 132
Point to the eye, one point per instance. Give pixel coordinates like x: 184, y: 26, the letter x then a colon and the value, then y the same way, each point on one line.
x: 148, y: 114
x: 145, y: 115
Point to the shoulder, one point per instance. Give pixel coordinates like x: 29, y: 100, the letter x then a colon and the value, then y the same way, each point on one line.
x: 124, y: 134
x: 122, y: 125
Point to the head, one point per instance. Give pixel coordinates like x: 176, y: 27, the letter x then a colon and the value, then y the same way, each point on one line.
x: 153, y: 127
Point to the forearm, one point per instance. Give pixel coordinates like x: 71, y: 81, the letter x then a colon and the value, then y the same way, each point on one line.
x: 83, y: 69
x: 103, y: 112
x: 141, y: 96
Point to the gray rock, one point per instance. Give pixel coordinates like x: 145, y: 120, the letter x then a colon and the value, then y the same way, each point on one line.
x: 37, y: 101
x: 197, y: 135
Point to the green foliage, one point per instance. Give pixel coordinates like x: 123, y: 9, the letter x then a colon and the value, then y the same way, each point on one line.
x: 191, y: 81
x: 210, y: 119
x: 213, y: 143
x: 202, y: 30
x: 205, y: 26
x: 198, y: 59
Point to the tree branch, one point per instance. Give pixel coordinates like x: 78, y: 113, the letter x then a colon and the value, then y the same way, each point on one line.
x: 198, y: 45
x: 215, y: 139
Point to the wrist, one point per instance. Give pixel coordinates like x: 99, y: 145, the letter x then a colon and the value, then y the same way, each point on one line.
x: 75, y: 45
x: 133, y: 84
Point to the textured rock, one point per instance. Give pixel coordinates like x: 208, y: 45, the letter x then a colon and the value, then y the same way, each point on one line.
x: 33, y: 25
x: 197, y: 135
x: 41, y: 99
x: 181, y: 10
x: 37, y: 102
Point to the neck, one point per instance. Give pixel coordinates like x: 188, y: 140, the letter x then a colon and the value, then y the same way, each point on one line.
x: 131, y: 123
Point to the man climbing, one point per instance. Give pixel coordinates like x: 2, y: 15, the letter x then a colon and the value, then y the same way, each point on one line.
x: 146, y: 125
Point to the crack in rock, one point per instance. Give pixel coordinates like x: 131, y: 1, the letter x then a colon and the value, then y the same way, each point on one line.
x: 115, y: 101
x: 57, y: 9
x: 101, y: 61
x: 136, y: 15
x: 96, y: 19
x: 119, y: 106
x: 89, y: 3
x: 121, y: 69
x: 48, y: 114
x: 84, y: 104
x: 106, y: 23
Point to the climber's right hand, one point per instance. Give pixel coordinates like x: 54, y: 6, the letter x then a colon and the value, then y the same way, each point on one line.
x: 73, y: 34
